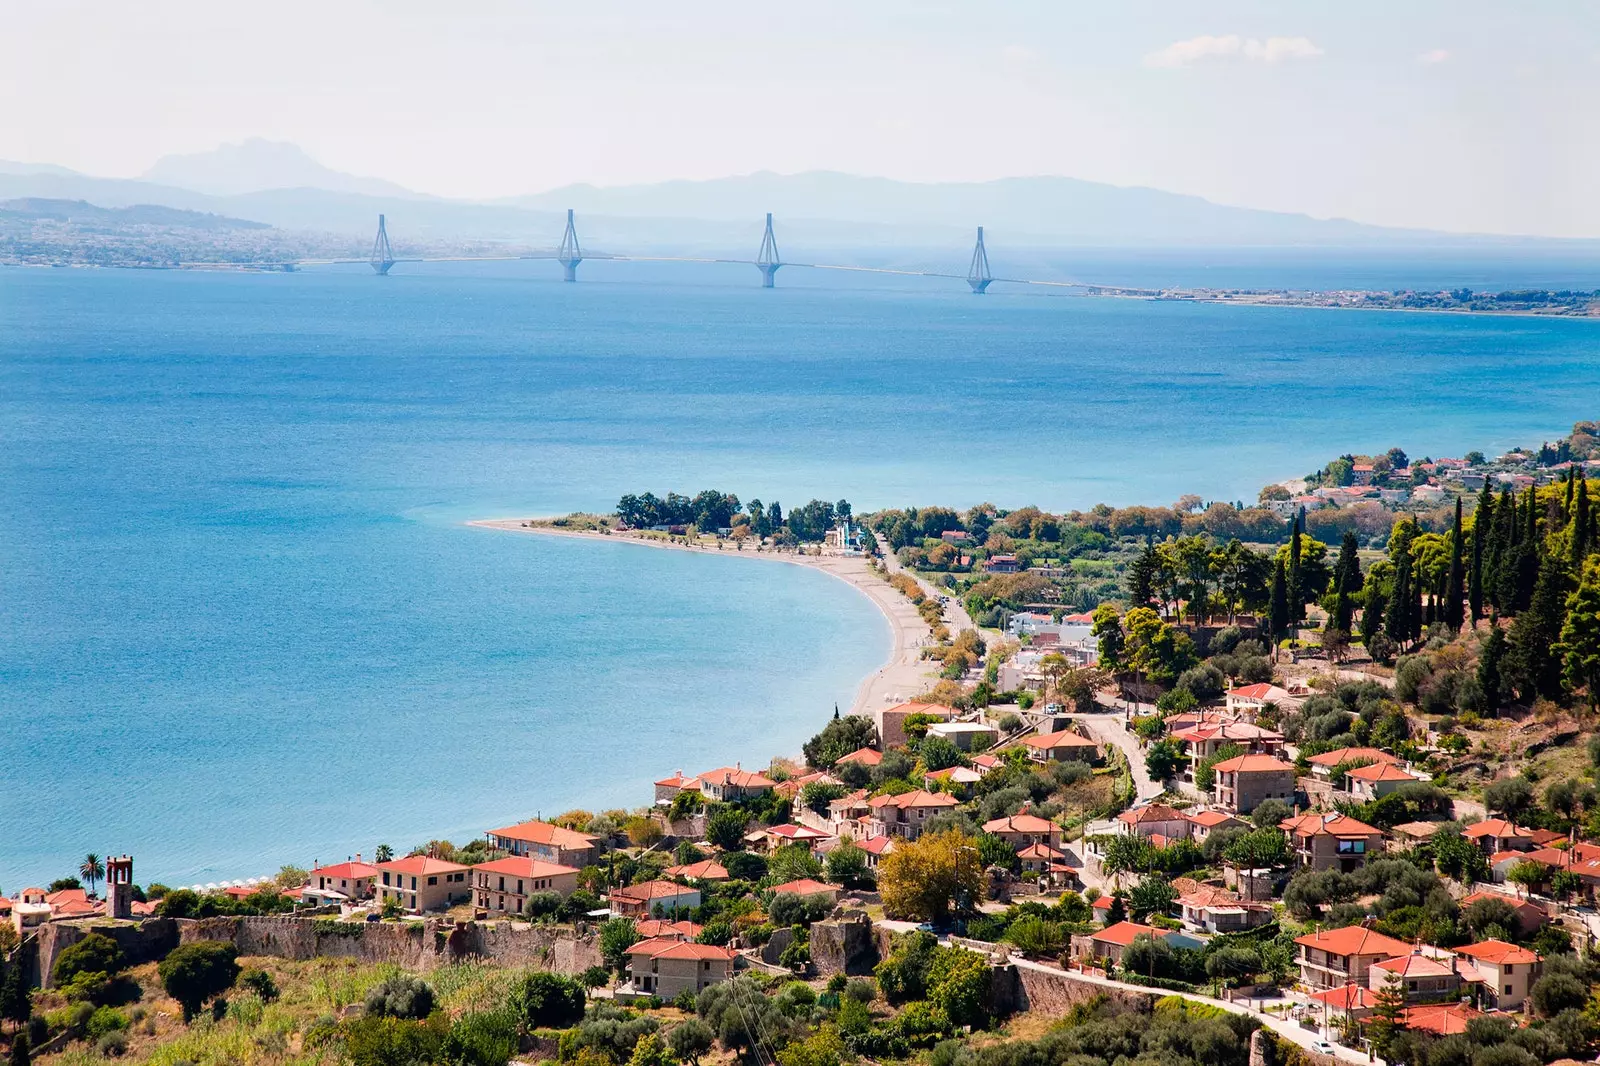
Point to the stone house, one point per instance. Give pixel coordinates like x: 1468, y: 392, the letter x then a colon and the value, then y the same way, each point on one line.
x: 548, y: 843
x: 668, y: 966
x: 1331, y: 841
x: 1503, y: 972
x: 905, y: 815
x: 650, y: 898
x: 1332, y: 957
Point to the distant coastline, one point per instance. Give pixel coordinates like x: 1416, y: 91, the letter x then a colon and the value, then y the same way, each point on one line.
x: 902, y: 676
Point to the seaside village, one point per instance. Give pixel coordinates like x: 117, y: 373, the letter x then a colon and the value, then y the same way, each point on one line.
x: 1352, y: 851
x: 1111, y: 908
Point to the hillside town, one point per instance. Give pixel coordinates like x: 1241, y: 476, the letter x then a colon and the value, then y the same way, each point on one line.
x: 1346, y: 802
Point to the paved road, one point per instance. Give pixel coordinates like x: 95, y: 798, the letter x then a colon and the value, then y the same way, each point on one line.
x: 1289, y: 1030
x: 1107, y: 729
x: 956, y: 616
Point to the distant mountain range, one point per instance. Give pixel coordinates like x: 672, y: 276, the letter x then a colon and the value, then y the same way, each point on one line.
x: 79, y: 211
x: 281, y: 185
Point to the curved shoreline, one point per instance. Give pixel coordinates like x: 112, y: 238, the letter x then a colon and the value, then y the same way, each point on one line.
x: 903, y: 676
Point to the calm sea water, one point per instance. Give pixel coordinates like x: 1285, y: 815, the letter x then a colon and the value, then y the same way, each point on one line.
x: 241, y: 623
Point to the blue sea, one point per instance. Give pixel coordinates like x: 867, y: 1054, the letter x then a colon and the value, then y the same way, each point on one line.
x: 243, y: 624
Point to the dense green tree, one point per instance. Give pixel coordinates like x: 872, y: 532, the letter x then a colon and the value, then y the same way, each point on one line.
x: 21, y: 1051
x: 617, y: 935
x: 1397, y: 621
x: 1142, y: 577
x: 725, y: 826
x: 1372, y: 612
x: 95, y: 953
x: 16, y: 1004
x: 1534, y: 662
x: 193, y: 973
x: 1581, y: 534
x: 1107, y: 630
x: 400, y: 996
x: 1579, y: 649
x: 1491, y: 666
x: 841, y: 736
x: 547, y: 1001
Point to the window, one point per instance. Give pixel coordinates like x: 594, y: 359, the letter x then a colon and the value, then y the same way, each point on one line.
x: 386, y: 877
x: 413, y: 884
x: 1508, y: 990
x: 433, y: 880
x: 502, y: 884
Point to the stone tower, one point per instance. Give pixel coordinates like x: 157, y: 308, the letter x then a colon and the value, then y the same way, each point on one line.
x: 119, y: 887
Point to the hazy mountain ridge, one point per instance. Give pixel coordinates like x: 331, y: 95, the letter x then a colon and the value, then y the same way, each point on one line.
x: 81, y: 211
x: 817, y: 210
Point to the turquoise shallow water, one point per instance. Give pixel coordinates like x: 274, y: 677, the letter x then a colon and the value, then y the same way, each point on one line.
x: 241, y: 623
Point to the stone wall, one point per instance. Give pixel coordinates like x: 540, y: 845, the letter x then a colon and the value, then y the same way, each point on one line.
x: 844, y: 945
x: 417, y: 946
x: 141, y: 942
x: 1019, y: 988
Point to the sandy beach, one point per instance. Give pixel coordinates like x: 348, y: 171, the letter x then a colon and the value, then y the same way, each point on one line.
x: 901, y: 678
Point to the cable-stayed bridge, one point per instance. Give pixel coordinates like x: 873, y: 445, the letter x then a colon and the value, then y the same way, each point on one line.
x: 767, y: 261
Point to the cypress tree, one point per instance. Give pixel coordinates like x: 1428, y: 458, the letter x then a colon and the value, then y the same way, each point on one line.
x: 1537, y: 630
x: 1414, y: 615
x: 20, y: 1055
x: 1372, y: 613
x: 1342, y: 611
x: 1566, y: 510
x: 1297, y: 600
x: 1475, y: 571
x: 1581, y: 532
x: 1347, y: 571
x: 1453, y: 591
x: 16, y: 1005
x: 1395, y: 621
x: 1491, y: 656
x: 1278, y: 607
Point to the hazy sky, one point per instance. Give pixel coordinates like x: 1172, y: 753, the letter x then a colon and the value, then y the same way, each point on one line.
x: 1456, y: 115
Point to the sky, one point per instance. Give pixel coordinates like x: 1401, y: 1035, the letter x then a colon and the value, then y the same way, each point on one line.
x: 1462, y: 116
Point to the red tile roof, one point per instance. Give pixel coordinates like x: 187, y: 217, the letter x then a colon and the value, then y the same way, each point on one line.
x: 1155, y: 812
x: 657, y: 927
x: 795, y: 832
x: 1066, y: 738
x: 525, y: 866
x: 349, y: 871
x: 1039, y: 851
x: 734, y: 777
x: 1250, y: 764
x: 1347, y: 997
x: 537, y: 832
x: 1330, y: 759
x: 1496, y: 953
x: 877, y: 845
x: 704, y: 870
x: 1495, y: 827
x: 421, y: 865
x: 1312, y: 824
x: 646, y: 891
x: 1416, y: 965
x: 1124, y: 932
x: 1022, y: 822
x: 662, y: 947
x: 1210, y: 819
x: 1441, y: 1018
x: 805, y: 886
x: 915, y: 798
x: 1380, y: 772
x: 1354, y: 940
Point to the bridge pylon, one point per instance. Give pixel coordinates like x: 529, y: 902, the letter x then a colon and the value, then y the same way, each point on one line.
x: 382, y: 255
x: 569, y: 255
x: 978, y: 275
x: 768, y: 260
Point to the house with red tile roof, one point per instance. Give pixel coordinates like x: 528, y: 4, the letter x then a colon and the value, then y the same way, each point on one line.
x: 1368, y: 783
x: 659, y: 927
x: 1204, y: 741
x: 669, y: 966
x: 353, y: 880
x: 1108, y: 944
x: 1153, y: 819
x: 1497, y: 834
x: 423, y: 884
x: 770, y: 838
x: 1202, y: 823
x: 1322, y: 765
x: 1021, y: 829
x: 551, y: 843
x: 807, y: 886
x: 667, y: 788
x: 704, y: 870
x: 1441, y: 1019
x: 867, y: 757
x: 1252, y: 699
x: 1217, y: 910
x: 1331, y: 957
x: 1061, y: 746
x: 876, y: 848
x: 906, y: 814
x: 651, y: 899
x: 1327, y: 841
x: 505, y: 884
x: 1530, y: 916
x: 734, y: 783
x: 1350, y: 1000
x: 1508, y: 971
x: 1243, y: 782
x: 1420, y: 978
x: 956, y: 780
